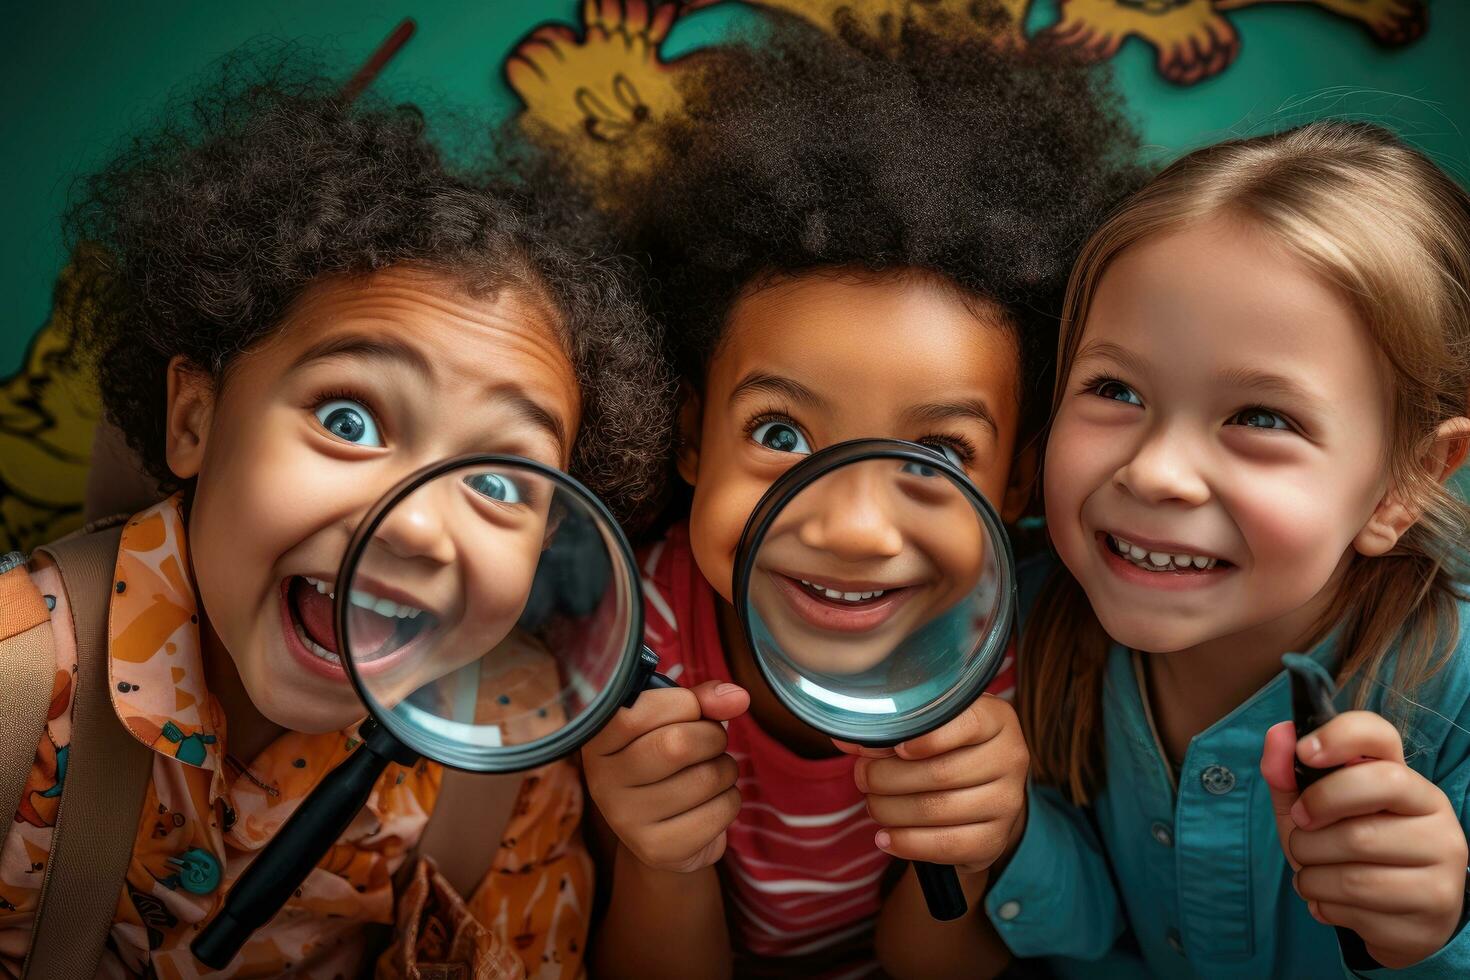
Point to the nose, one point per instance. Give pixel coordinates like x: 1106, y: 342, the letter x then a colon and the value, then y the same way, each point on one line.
x: 1162, y: 470
x: 418, y: 527
x: 848, y: 514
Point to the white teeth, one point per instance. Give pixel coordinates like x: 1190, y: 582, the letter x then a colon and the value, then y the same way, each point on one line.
x: 316, y: 648
x: 383, y: 607
x: 1158, y: 561
x: 320, y: 586
x: 843, y: 596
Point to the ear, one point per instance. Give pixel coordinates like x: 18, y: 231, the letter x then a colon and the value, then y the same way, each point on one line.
x: 190, y: 410
x: 1022, y: 484
x: 691, y: 422
x: 1394, y: 515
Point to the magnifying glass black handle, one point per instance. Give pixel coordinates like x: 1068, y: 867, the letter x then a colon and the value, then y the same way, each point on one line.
x: 284, y: 863
x: 941, y: 885
x: 645, y: 677
x: 1312, y: 694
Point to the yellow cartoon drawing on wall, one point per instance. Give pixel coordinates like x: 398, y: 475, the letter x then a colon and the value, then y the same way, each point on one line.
x: 587, y: 89
x: 47, y: 412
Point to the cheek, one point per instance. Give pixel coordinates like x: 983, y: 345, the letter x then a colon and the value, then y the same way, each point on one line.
x: 1079, y: 461
x: 1297, y: 525
x: 498, y: 581
x: 716, y: 520
x: 724, y: 496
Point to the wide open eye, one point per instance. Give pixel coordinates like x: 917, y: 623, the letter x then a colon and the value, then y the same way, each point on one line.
x: 349, y: 421
x: 782, y: 437
x: 495, y: 486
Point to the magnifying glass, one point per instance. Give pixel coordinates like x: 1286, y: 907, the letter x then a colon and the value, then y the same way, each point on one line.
x: 489, y: 616
x: 877, y: 590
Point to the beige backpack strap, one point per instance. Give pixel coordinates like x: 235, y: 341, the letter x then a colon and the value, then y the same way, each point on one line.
x: 106, y: 779
x: 28, y: 664
x: 469, y: 818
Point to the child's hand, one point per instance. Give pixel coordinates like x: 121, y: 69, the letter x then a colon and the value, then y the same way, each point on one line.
x: 661, y: 778
x: 953, y: 796
x: 1376, y: 847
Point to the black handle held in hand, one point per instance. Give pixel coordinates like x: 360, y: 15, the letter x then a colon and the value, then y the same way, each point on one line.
x: 284, y: 863
x: 645, y: 677
x: 1312, y: 693
x: 942, y: 893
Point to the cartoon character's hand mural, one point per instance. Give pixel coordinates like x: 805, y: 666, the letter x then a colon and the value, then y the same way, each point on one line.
x: 48, y: 410
x: 1193, y: 39
x: 583, y: 93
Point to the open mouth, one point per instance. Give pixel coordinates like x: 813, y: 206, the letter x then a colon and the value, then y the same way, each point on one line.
x: 1162, y: 561
x: 380, y: 627
x: 842, y: 607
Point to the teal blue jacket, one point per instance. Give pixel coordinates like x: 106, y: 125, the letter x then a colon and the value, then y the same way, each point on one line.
x: 1150, y: 880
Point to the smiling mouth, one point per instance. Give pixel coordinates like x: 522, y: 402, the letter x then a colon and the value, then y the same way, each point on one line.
x: 845, y: 598
x: 852, y: 608
x: 379, y: 626
x: 1161, y: 561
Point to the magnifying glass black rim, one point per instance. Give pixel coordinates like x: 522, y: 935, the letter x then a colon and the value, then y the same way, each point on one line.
x: 797, y: 479
x: 505, y: 758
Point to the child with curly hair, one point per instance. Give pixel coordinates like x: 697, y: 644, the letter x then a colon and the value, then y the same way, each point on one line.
x: 842, y: 244
x: 304, y: 304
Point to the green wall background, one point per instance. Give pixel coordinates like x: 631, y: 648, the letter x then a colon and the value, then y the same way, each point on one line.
x: 78, y: 77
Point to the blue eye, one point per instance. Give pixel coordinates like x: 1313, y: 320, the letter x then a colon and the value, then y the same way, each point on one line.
x: 495, y: 486
x: 782, y: 437
x: 948, y: 452
x: 1259, y: 418
x: 1117, y: 391
x: 349, y: 421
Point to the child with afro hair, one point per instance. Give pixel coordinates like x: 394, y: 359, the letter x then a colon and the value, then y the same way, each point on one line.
x: 301, y: 303
x: 841, y: 244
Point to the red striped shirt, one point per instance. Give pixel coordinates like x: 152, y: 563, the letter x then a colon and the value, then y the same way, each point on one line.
x: 802, y: 875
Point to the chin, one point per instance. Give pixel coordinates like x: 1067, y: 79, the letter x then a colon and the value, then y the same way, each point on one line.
x: 1149, y: 635
x: 309, y: 718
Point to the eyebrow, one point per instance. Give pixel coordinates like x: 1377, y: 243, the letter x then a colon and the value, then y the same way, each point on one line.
x: 508, y: 392
x: 1271, y: 384
x: 364, y: 348
x: 757, y: 382
x: 1108, y: 350
x: 973, y: 409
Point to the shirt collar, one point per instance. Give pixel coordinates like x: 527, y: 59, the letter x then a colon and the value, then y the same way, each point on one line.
x: 155, y: 665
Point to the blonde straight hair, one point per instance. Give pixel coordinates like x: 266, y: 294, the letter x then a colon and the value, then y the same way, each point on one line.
x: 1388, y: 228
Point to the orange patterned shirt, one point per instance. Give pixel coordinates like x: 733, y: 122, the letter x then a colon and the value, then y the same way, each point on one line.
x: 206, y: 813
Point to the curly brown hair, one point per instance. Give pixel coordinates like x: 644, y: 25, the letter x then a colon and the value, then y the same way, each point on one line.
x: 210, y: 227
x: 801, y: 151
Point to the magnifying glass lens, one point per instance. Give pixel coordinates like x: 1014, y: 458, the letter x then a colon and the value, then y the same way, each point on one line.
x: 489, y: 615
x: 878, y: 597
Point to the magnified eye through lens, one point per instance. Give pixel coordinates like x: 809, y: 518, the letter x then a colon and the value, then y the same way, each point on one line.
x: 876, y: 588
x: 488, y: 614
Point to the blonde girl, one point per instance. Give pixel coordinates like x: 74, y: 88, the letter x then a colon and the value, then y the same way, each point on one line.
x: 1262, y: 388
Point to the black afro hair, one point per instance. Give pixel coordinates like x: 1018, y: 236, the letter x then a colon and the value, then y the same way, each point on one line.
x: 208, y: 228
x: 801, y: 151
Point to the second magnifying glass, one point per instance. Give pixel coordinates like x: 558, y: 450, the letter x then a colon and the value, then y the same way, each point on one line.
x: 877, y: 590
x: 488, y: 614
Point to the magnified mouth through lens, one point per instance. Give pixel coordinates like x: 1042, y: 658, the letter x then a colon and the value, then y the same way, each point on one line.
x: 876, y: 588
